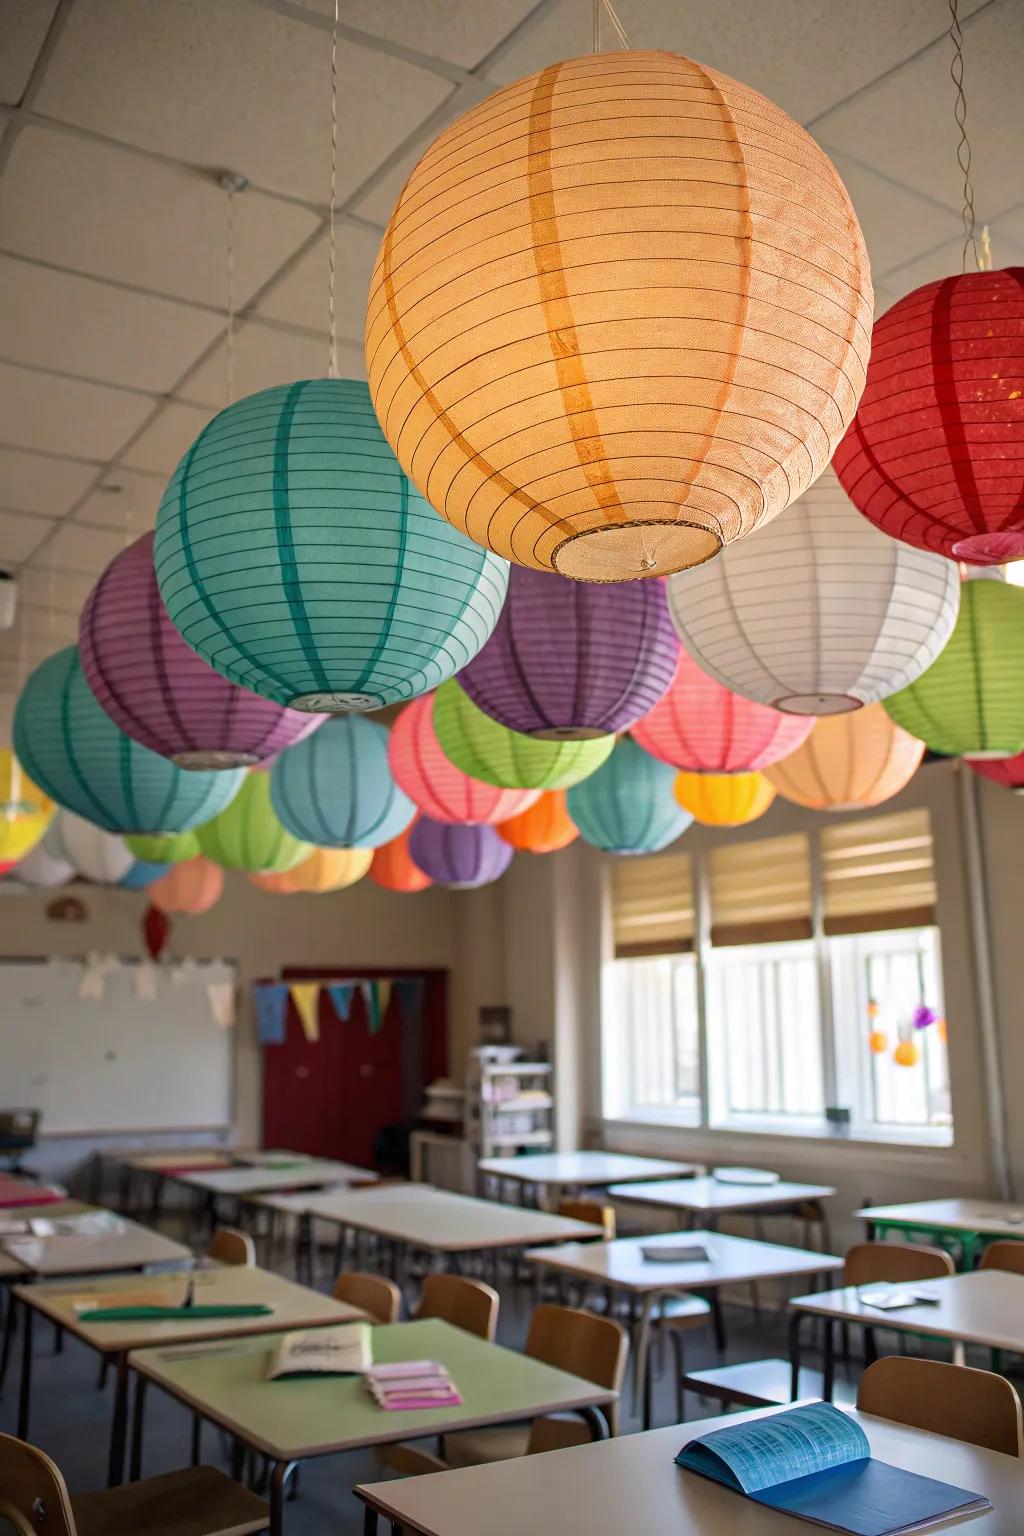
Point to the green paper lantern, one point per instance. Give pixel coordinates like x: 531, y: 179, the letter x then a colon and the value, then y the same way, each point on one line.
x: 251, y: 837
x: 970, y: 701
x: 164, y: 848
x: 628, y: 805
x: 487, y: 750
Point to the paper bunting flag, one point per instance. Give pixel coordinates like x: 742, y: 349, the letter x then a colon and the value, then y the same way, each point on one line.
x: 306, y: 997
x: 221, y: 996
x: 372, y: 1002
x: 384, y: 990
x: 271, y: 999
x: 93, y: 985
x: 410, y: 998
x: 341, y: 994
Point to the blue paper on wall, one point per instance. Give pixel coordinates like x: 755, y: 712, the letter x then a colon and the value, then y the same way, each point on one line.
x: 271, y: 1012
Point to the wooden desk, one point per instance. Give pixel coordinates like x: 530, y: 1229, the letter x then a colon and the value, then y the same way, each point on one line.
x: 294, y: 1307
x: 968, y: 1223
x: 706, y: 1199
x: 313, y: 1173
x: 632, y: 1483
x: 550, y: 1173
x: 130, y: 1247
x: 985, y: 1306
x: 290, y: 1421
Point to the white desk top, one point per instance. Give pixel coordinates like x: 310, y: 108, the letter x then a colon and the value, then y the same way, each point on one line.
x: 985, y: 1306
x: 130, y: 1247
x: 632, y: 1483
x: 573, y: 1169
x: 710, y: 1197
x: 995, y: 1218
x: 311, y: 1174
x: 730, y: 1261
x: 444, y: 1222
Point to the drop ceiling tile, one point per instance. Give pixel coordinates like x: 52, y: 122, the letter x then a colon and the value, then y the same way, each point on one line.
x: 74, y: 548
x: 897, y: 224
x: 379, y: 201
x: 65, y: 591
x: 29, y: 482
x: 48, y: 628
x: 233, y: 85
x: 945, y: 261
x: 112, y: 213
x: 169, y: 435
x: 127, y: 500
x: 266, y: 355
x: 301, y: 297
x: 19, y: 536
x: 446, y: 29
x: 23, y: 28
x: 1011, y: 226
x: 39, y: 410
x: 79, y: 325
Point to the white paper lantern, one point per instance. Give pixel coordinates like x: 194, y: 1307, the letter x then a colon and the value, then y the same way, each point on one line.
x: 93, y: 853
x: 819, y: 612
x: 45, y: 866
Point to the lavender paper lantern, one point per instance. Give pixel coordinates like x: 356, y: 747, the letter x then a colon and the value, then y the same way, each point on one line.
x: 570, y: 662
x: 158, y: 691
x: 461, y: 857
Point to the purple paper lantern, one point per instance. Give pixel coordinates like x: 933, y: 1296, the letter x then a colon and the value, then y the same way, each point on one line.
x: 569, y: 660
x: 458, y: 856
x: 159, y: 691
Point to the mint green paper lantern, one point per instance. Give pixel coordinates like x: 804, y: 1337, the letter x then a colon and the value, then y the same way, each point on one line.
x: 627, y: 806
x: 74, y: 751
x: 248, y: 834
x: 296, y: 558
x: 164, y: 848
x: 487, y: 750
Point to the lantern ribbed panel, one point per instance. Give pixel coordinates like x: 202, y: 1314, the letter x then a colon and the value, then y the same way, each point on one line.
x: 970, y: 702
x: 460, y: 857
x: 489, y: 751
x: 326, y: 869
x: 620, y: 317
x: 248, y: 834
x: 820, y: 613
x: 724, y: 799
x: 544, y: 828
x: 567, y: 662
x: 935, y: 455
x: 393, y: 867
x: 627, y: 806
x: 188, y: 889
x: 25, y: 812
x: 705, y: 728
x: 159, y: 691
x: 142, y: 875
x: 432, y: 781
x: 1007, y: 771
x: 294, y: 556
x: 95, y: 854
x: 174, y: 848
x: 77, y: 754
x: 849, y: 762
x: 336, y: 789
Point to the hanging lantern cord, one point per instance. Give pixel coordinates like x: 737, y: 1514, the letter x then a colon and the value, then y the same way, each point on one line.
x: 619, y: 29
x: 232, y: 184
x: 963, y: 149
x: 332, y: 327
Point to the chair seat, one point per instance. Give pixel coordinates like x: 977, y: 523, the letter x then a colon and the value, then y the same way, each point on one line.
x: 476, y: 1447
x: 760, y: 1384
x: 197, y: 1501
x: 682, y: 1311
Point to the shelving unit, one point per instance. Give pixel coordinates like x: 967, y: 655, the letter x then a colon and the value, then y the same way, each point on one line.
x: 509, y: 1104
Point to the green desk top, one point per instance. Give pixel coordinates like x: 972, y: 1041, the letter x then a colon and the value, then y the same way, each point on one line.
x: 291, y: 1419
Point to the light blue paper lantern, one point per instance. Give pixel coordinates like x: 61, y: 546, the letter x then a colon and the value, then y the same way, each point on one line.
x: 72, y: 749
x: 142, y: 875
x: 295, y: 556
x: 627, y: 805
x: 335, y: 789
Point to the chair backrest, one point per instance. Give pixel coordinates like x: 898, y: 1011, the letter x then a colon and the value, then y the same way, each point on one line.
x: 1005, y: 1254
x: 375, y: 1295
x: 894, y: 1263
x: 33, y: 1495
x: 466, y: 1304
x: 955, y: 1400
x: 592, y: 1211
x: 229, y: 1246
x: 583, y: 1344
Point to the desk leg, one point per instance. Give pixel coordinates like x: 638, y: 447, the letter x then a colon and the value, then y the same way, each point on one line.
x: 278, y: 1480
x: 371, y: 1522
x: 25, y: 1393
x: 138, y: 1421
x: 795, y: 1323
x: 119, y: 1424
x: 12, y: 1312
x: 828, y: 1361
x: 643, y: 1350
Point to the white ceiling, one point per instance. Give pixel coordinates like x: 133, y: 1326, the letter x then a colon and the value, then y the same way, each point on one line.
x: 116, y: 117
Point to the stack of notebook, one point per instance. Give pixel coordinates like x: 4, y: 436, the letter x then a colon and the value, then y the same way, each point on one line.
x: 410, y: 1384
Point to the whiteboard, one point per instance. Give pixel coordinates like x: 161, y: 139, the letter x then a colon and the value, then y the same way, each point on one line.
x: 119, y: 1063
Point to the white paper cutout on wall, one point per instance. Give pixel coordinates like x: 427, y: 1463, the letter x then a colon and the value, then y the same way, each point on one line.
x: 221, y: 995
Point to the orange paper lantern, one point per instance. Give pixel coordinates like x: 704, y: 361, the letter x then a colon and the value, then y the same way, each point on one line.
x: 188, y: 888
x: 544, y: 828
x: 326, y: 869
x: 394, y: 869
x: 849, y: 762
x: 907, y: 1054
x: 878, y: 1041
x: 620, y: 317
x: 724, y: 799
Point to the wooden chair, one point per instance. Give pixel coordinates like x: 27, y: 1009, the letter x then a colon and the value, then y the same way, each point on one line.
x: 1007, y: 1254
x: 200, y: 1501
x: 591, y: 1211
x: 229, y: 1246
x: 467, y: 1304
x: 375, y: 1295
x: 955, y: 1400
x: 895, y: 1264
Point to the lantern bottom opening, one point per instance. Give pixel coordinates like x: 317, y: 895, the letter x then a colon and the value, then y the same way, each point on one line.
x: 335, y: 703
x: 991, y: 548
x: 631, y: 551
x: 569, y: 733
x: 817, y: 704
x: 213, y: 758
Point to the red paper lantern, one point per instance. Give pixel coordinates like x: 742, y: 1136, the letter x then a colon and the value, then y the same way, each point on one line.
x: 1007, y: 771
x: 935, y: 455
x: 394, y: 869
x: 156, y: 930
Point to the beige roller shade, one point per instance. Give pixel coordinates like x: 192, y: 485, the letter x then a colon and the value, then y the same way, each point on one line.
x: 878, y: 874
x: 652, y: 905
x: 761, y: 890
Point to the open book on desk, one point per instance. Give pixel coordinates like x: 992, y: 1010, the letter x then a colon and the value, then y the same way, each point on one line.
x: 815, y: 1462
x: 346, y: 1350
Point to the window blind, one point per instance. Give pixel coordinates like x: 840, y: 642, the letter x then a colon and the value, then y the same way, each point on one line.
x: 761, y: 890
x: 652, y: 905
x: 878, y: 874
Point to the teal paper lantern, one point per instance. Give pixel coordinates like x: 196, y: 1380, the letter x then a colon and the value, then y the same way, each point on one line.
x: 74, y: 751
x: 627, y: 805
x: 142, y: 875
x: 296, y: 558
x: 335, y: 789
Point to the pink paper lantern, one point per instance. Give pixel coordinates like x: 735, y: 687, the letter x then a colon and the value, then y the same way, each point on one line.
x: 434, y: 784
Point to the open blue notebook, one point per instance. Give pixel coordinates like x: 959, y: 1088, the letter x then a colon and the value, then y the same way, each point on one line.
x: 815, y: 1462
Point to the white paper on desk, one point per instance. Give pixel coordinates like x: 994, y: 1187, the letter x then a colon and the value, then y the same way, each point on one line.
x: 890, y: 1300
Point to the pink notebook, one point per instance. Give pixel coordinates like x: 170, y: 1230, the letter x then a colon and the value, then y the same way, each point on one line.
x: 408, y: 1385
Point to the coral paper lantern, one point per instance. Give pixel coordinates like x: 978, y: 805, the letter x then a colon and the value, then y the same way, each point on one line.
x: 620, y: 317
x: 76, y: 753
x: 460, y: 857
x: 935, y: 455
x: 25, y: 812
x: 336, y: 790
x: 705, y: 728
x: 544, y: 828
x: 326, y: 869
x: 188, y: 889
x: 432, y: 781
x: 393, y: 867
x: 820, y: 613
x: 567, y: 662
x: 848, y: 763
x: 489, y: 751
x: 248, y: 834
x: 164, y: 847
x: 724, y: 799
x: 970, y: 702
x: 628, y: 806
x: 1007, y: 771
x: 294, y: 556
x: 94, y: 853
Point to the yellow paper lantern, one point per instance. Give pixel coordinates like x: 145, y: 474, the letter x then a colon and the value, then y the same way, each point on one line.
x: 25, y: 812
x: 326, y: 869
x: 878, y: 1042
x: 849, y: 762
x: 620, y: 317
x: 907, y: 1054
x: 724, y: 799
